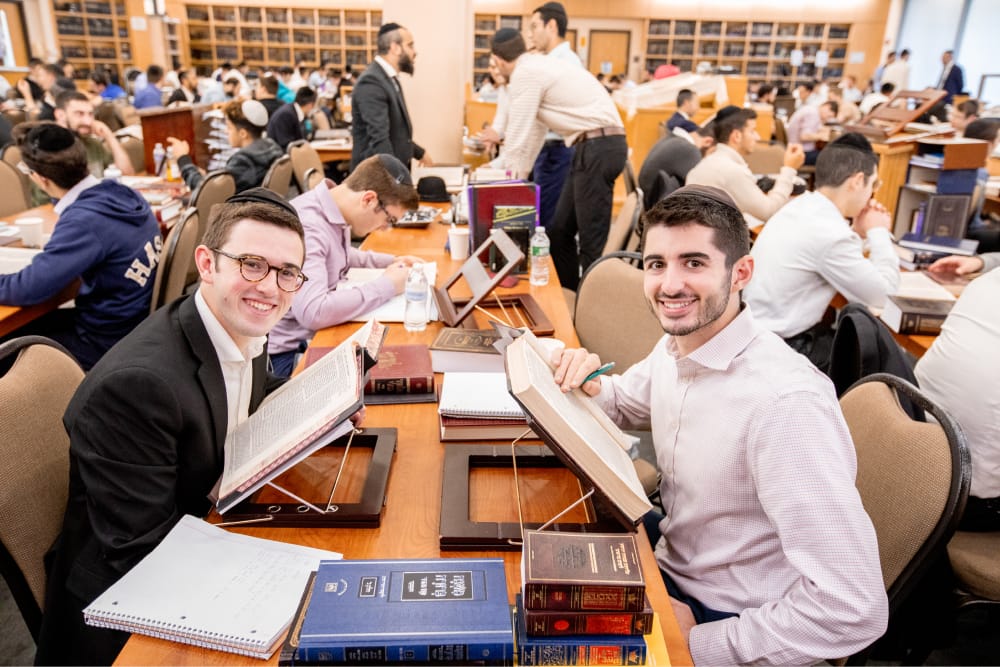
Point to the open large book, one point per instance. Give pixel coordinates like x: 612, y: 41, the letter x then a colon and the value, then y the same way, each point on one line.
x: 576, y: 429
x: 310, y: 411
x: 205, y: 586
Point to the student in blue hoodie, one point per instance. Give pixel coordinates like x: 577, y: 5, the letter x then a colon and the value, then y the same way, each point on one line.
x: 106, y: 236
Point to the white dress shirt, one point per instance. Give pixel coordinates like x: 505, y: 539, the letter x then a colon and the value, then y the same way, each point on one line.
x: 763, y: 517
x: 237, y: 365
x: 960, y: 373
x: 551, y: 93
x: 807, y: 253
x: 564, y: 53
x: 726, y: 169
x: 74, y: 193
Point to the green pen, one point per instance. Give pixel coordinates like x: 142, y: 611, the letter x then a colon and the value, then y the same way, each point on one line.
x: 600, y: 371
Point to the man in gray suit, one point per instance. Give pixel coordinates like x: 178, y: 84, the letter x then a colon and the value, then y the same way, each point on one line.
x: 381, y: 121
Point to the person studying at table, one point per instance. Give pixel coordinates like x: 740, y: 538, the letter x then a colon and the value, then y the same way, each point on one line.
x: 754, y: 453
x: 245, y: 123
x: 106, y: 236
x: 148, y: 424
x: 808, y: 252
x: 373, y: 196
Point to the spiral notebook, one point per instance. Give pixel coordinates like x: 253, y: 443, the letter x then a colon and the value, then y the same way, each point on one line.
x: 208, y: 587
x: 481, y: 395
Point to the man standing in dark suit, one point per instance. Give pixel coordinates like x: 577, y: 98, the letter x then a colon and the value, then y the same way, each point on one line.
x: 952, y: 80
x: 287, y: 124
x: 148, y: 424
x: 381, y: 123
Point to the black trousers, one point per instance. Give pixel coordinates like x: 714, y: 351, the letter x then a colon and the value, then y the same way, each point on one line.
x: 551, y: 167
x: 584, y: 206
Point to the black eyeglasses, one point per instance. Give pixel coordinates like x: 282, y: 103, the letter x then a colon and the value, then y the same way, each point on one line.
x: 388, y: 216
x: 255, y: 268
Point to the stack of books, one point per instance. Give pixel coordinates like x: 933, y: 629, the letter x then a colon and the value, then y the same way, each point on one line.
x: 477, y: 406
x: 918, y: 251
x: 583, y: 600
x: 389, y: 612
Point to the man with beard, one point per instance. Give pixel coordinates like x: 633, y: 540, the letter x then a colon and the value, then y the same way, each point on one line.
x: 75, y: 112
x: 381, y: 121
x: 187, y: 93
x: 754, y: 452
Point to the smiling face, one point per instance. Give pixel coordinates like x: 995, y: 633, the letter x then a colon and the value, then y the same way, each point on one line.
x: 687, y: 284
x: 247, y: 309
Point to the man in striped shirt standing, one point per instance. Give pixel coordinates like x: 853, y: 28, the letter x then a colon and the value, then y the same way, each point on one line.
x: 550, y: 93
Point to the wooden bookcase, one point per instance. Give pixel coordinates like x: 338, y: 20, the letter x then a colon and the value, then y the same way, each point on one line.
x: 486, y: 25
x: 759, y: 49
x: 93, y: 34
x: 270, y: 36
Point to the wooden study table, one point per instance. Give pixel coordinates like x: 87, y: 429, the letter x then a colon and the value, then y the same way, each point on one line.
x: 410, y: 519
x: 332, y: 150
x: 15, y: 317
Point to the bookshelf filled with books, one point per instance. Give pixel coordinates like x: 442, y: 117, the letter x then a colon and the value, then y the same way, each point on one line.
x: 93, y: 34
x: 763, y: 50
x: 271, y: 36
x: 484, y: 27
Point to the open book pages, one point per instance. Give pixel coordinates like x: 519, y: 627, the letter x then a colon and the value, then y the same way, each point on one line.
x: 394, y: 309
x: 918, y: 285
x: 306, y: 413
x: 205, y: 586
x: 576, y: 428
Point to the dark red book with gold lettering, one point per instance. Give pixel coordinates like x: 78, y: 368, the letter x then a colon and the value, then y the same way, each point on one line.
x: 403, y: 374
x: 582, y: 571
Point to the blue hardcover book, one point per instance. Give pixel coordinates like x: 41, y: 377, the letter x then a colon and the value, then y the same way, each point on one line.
x: 397, y: 611
x: 577, y: 649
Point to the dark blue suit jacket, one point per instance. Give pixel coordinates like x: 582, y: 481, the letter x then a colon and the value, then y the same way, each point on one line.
x: 954, y: 83
x: 678, y: 120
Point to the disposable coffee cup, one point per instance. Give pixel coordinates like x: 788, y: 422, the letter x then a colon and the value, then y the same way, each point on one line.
x: 31, y: 231
x: 458, y: 242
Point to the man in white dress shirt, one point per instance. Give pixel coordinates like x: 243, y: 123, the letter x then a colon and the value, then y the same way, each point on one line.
x: 766, y: 550
x: 809, y: 251
x: 567, y: 99
x: 547, y: 32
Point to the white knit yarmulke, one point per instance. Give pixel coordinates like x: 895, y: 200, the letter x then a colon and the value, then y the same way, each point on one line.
x: 255, y: 112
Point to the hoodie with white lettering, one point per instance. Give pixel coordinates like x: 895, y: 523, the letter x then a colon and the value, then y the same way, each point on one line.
x: 109, y: 239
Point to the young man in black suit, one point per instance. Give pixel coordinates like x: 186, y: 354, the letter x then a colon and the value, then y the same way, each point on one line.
x: 287, y: 123
x: 148, y: 424
x: 381, y: 123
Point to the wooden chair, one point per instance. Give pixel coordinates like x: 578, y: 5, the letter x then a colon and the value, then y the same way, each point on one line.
x: 610, y: 301
x: 766, y: 158
x: 913, y: 478
x: 34, y: 394
x: 624, y: 223
x: 136, y: 150
x: 11, y: 154
x: 215, y: 188
x: 176, y: 260
x: 15, y: 198
x: 313, y: 177
x: 278, y: 178
x: 304, y: 157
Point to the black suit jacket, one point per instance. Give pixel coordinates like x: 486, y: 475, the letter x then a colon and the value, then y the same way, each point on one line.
x: 953, y: 83
x: 147, y: 428
x: 380, y: 122
x: 284, y: 127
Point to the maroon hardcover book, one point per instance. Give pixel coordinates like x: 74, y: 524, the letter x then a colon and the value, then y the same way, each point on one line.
x: 551, y: 623
x: 582, y: 571
x: 401, y: 369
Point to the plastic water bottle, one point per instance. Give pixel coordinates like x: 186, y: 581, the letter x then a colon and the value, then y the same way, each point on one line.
x: 113, y: 173
x: 540, y: 257
x: 173, y: 171
x: 415, y: 316
x: 159, y: 158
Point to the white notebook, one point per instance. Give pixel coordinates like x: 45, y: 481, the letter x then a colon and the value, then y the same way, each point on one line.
x: 478, y: 395
x: 206, y: 586
x: 394, y: 309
